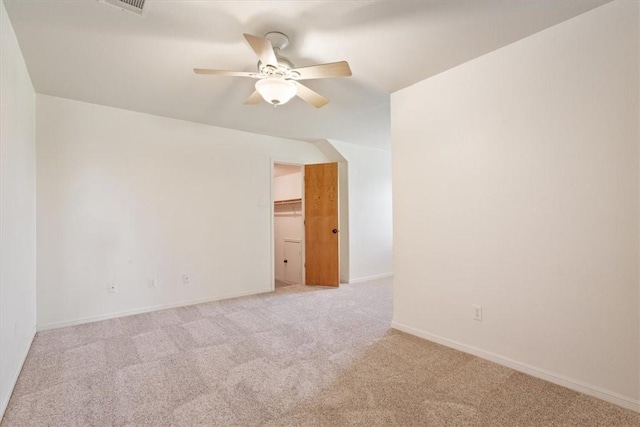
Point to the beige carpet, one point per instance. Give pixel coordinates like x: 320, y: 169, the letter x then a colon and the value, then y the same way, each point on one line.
x: 282, y: 284
x: 300, y: 356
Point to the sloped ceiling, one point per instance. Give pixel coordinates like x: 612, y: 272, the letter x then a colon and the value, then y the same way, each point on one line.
x: 92, y: 51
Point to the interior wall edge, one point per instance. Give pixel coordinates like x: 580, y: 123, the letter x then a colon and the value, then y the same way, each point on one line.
x: 368, y: 278
x: 561, y: 380
x: 118, y: 314
x: 14, y: 380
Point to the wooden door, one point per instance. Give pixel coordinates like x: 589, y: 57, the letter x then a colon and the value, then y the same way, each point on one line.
x: 321, y: 224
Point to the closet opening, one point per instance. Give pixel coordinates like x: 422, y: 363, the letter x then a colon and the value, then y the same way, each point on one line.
x: 288, y: 224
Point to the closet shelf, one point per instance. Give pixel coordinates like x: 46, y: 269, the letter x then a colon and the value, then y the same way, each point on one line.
x: 287, y: 202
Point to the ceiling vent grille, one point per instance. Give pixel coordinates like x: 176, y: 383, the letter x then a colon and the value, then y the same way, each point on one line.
x: 135, y: 6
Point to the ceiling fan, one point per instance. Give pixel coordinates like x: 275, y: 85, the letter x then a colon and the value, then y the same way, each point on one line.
x: 278, y: 80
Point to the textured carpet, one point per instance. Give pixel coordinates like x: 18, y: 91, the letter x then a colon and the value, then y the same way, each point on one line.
x: 282, y: 284
x: 299, y: 356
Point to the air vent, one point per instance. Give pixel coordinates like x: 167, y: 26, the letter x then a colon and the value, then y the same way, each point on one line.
x: 135, y: 6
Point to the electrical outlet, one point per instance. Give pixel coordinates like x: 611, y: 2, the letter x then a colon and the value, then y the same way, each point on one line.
x: 477, y: 312
x: 16, y: 330
x: 152, y: 282
x: 112, y: 288
x: 185, y: 279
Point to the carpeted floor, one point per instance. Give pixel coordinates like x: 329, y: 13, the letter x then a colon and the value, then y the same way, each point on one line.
x: 301, y: 356
x: 282, y: 284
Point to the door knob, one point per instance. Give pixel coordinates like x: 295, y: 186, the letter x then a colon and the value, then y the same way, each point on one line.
x: 334, y: 231
x: 285, y: 261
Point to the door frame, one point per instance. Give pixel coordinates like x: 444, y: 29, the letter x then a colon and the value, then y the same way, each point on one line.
x: 272, y: 218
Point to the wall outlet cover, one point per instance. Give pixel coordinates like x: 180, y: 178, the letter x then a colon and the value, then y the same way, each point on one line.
x: 477, y: 312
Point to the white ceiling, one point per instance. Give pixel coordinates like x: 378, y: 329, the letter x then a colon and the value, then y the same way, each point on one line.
x: 91, y: 51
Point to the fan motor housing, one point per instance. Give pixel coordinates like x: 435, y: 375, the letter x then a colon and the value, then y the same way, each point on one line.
x: 278, y: 41
x: 284, y: 67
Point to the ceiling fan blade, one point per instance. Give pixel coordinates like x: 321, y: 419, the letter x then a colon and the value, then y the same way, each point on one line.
x: 313, y: 98
x: 262, y: 47
x: 225, y: 73
x: 323, y: 71
x: 255, y: 98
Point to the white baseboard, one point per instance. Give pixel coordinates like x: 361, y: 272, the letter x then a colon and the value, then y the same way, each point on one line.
x: 609, y: 396
x: 107, y: 316
x: 14, y: 380
x: 368, y: 278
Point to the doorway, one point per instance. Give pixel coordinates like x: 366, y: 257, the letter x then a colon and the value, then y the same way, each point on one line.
x: 305, y: 222
x: 288, y: 224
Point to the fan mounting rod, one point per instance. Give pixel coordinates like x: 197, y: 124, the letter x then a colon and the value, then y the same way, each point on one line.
x: 278, y: 40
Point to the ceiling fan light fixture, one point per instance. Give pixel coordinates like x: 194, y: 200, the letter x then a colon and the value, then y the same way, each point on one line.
x: 278, y: 80
x: 276, y: 90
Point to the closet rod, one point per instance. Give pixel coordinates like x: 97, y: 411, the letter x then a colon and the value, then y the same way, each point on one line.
x: 287, y: 202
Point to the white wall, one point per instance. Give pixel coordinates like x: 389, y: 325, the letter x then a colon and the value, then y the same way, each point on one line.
x: 17, y: 210
x: 516, y: 188
x: 288, y: 187
x: 343, y: 221
x: 287, y: 221
x: 370, y: 219
x: 124, y: 197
